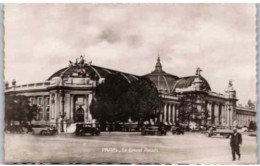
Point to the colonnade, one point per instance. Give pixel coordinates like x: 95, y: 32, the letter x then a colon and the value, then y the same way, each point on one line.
x: 43, y: 103
x: 50, y: 106
x: 170, y: 113
x: 219, y: 113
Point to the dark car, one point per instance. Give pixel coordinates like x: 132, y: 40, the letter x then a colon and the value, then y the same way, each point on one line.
x: 178, y: 130
x: 87, y: 128
x: 153, y: 130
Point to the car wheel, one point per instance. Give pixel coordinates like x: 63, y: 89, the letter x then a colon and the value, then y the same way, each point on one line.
x: 42, y: 132
x: 98, y: 133
x: 227, y: 136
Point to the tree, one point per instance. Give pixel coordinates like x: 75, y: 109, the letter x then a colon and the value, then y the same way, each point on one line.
x: 22, y: 108
x: 141, y: 100
x: 252, y: 125
x: 108, y: 104
x: 16, y: 108
x: 32, y: 113
x: 9, y: 109
x: 189, y: 108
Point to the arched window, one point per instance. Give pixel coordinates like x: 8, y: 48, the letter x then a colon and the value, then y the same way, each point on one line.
x: 47, y: 100
x: 40, y: 114
x: 47, y: 115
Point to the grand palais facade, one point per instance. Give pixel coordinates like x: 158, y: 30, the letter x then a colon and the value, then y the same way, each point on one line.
x: 68, y: 94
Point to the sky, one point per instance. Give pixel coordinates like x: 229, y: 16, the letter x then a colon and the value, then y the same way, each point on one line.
x: 219, y: 38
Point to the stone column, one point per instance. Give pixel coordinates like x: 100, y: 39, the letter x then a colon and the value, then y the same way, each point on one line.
x: 71, y: 107
x: 169, y: 115
x: 209, y: 112
x: 223, y: 114
x: 227, y: 118
x: 87, y: 109
x: 165, y: 112
x: 173, y: 113
x: 57, y: 104
x: 177, y: 114
x: 213, y: 113
x: 220, y: 113
x: 44, y: 109
x: 161, y: 116
x: 90, y: 97
x: 52, y: 106
x: 216, y: 109
x: 231, y: 117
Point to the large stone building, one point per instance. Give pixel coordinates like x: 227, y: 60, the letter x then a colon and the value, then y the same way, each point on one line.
x: 67, y: 95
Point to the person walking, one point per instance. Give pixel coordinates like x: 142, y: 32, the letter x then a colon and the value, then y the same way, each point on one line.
x: 235, y: 142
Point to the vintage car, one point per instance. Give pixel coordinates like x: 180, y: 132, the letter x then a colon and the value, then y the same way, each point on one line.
x: 153, y: 130
x: 225, y: 132
x: 87, y: 128
x: 252, y: 134
x: 129, y: 126
x: 178, y: 130
x: 44, y: 129
x: 242, y: 129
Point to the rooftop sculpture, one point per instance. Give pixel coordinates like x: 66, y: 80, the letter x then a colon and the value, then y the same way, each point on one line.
x: 81, y: 65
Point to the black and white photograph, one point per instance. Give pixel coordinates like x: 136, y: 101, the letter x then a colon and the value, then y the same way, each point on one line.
x: 130, y: 83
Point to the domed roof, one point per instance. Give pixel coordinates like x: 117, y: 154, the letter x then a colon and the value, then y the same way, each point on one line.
x: 186, y: 82
x: 100, y: 72
x: 162, y: 80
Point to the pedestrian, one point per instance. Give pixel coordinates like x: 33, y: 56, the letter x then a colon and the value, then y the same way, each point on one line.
x: 235, y: 142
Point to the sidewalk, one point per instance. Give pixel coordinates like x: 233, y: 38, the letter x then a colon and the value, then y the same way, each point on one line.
x: 225, y: 159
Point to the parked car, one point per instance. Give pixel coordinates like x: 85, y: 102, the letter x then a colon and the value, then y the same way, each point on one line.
x: 242, y: 129
x: 177, y: 130
x: 87, y: 128
x: 219, y: 131
x: 253, y: 134
x: 44, y: 129
x: 153, y: 130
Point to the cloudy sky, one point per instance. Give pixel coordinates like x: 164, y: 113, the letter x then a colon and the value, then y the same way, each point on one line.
x: 220, y: 39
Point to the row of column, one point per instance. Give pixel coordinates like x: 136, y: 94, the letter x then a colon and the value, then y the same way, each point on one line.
x: 221, y: 114
x: 218, y: 113
x: 43, y: 104
x: 170, y: 113
x: 71, y: 105
x: 244, y: 119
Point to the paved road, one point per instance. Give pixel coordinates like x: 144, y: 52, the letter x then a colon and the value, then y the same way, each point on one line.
x: 125, y: 148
